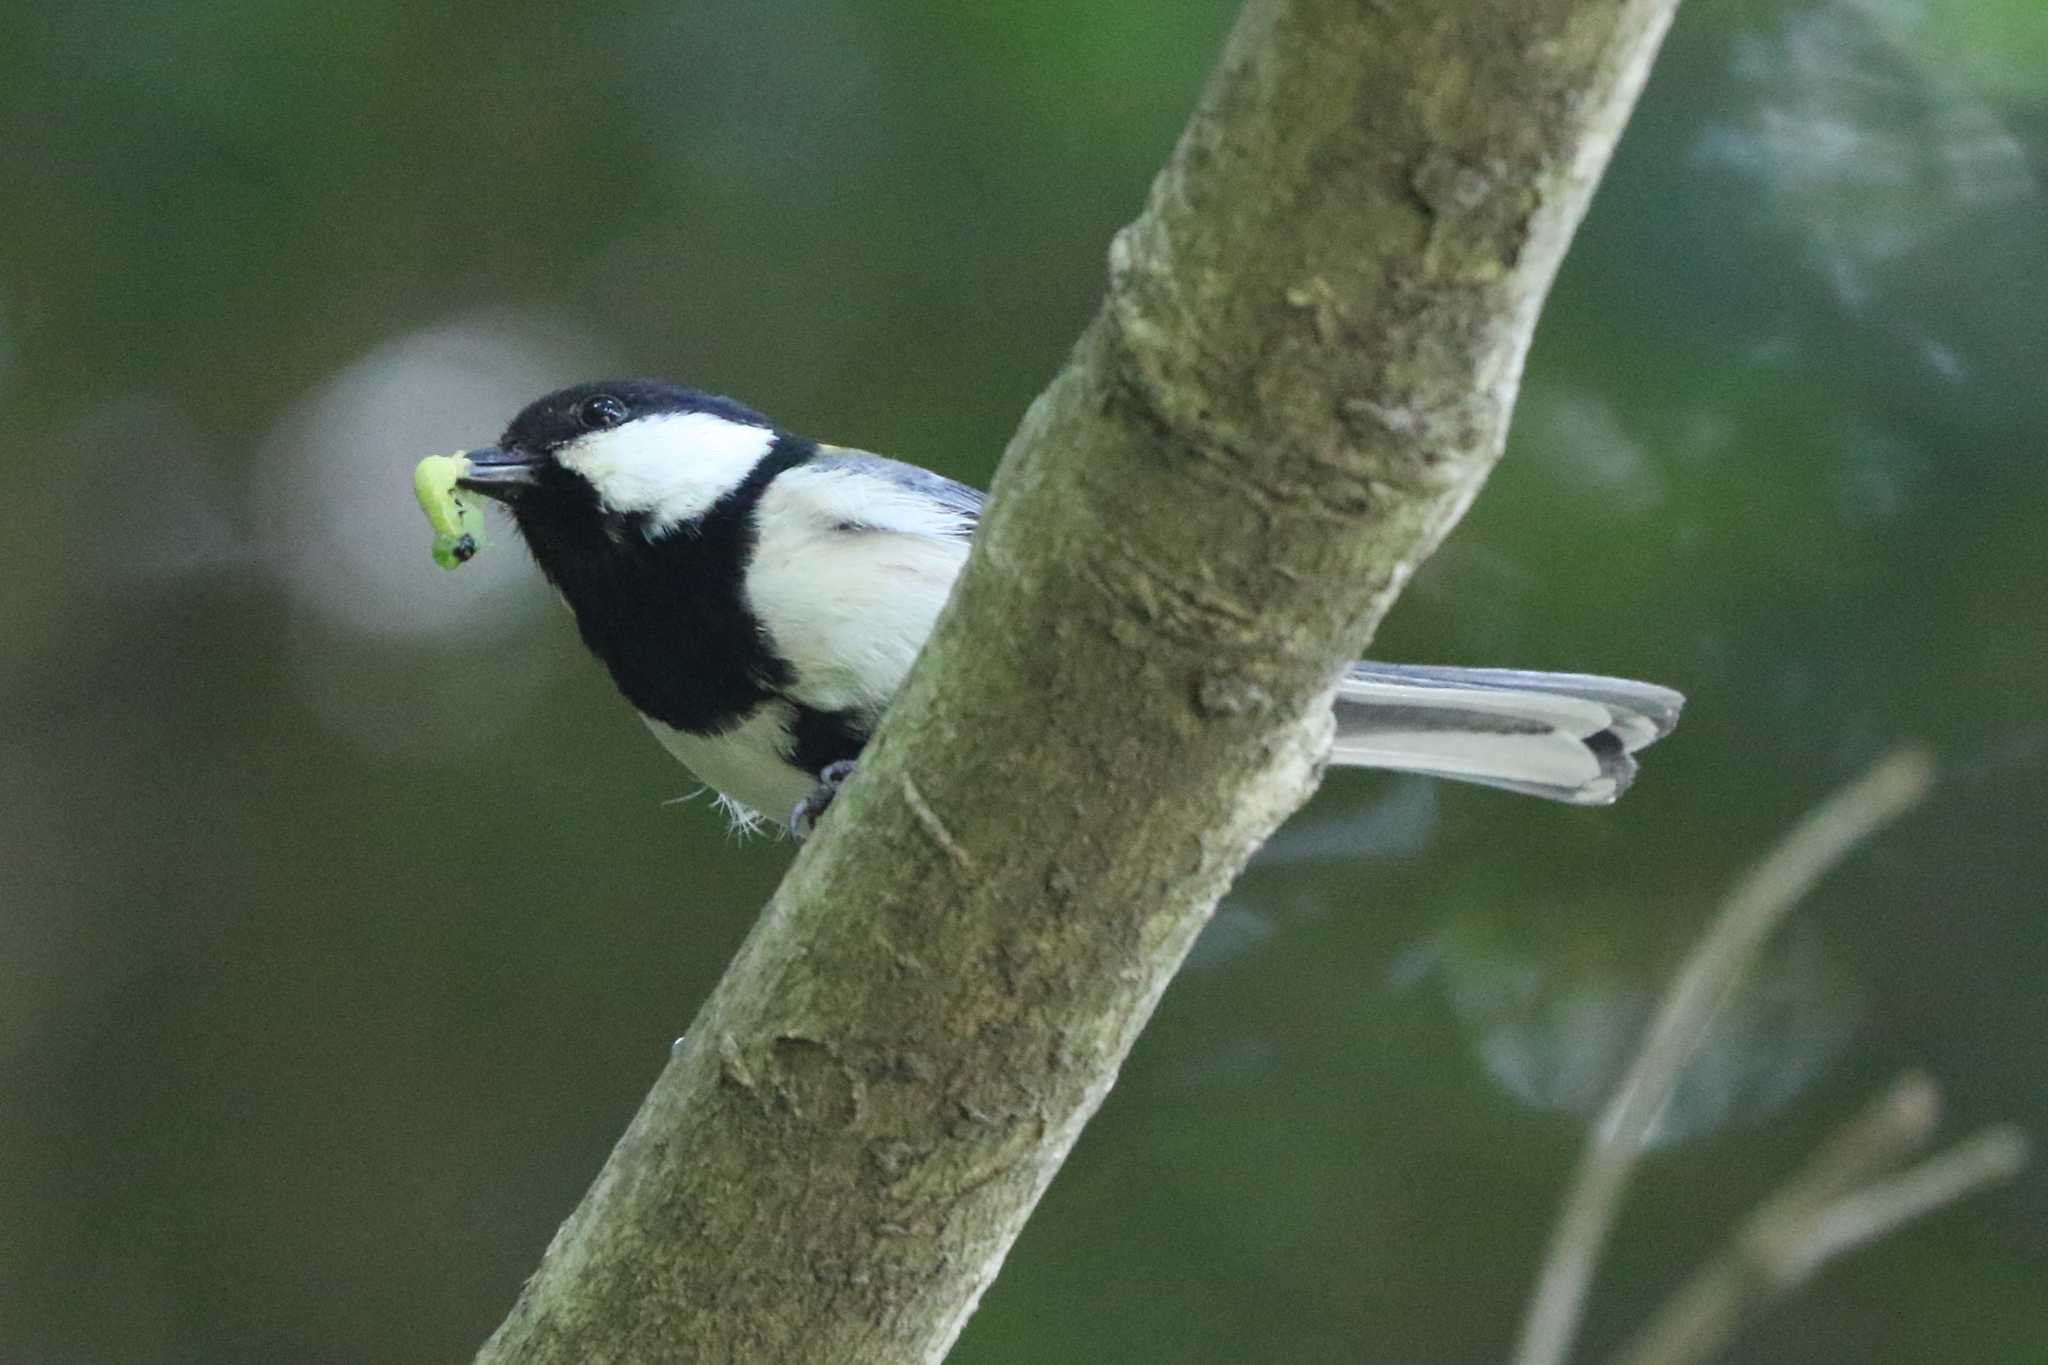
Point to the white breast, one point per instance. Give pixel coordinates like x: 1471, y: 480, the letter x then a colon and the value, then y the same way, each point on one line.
x: 848, y: 575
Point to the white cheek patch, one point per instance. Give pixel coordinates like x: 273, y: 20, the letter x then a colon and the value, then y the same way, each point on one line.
x: 672, y: 468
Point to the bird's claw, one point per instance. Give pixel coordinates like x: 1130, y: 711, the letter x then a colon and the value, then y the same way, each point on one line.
x: 803, y: 817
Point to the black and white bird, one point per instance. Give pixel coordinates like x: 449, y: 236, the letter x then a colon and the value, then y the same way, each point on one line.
x: 759, y: 597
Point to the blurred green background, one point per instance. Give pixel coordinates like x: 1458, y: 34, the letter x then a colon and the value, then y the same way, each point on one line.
x: 344, y: 912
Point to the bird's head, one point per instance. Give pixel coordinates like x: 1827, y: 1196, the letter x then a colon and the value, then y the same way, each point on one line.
x: 586, y: 466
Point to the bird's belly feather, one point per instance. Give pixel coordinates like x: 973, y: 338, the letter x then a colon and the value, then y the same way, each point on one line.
x: 749, y: 764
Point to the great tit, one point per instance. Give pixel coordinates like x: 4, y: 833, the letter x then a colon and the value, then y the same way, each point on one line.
x: 759, y: 597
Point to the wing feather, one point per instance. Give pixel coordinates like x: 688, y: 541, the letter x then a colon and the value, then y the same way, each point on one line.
x: 882, y: 494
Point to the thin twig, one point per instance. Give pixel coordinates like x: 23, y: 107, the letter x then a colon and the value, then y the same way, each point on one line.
x: 1997, y: 1153
x: 1811, y: 1220
x: 1709, y: 975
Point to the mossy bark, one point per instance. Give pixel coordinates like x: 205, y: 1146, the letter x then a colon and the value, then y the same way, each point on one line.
x: 1301, y: 375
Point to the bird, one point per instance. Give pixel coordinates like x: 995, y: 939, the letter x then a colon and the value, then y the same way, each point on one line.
x: 758, y: 597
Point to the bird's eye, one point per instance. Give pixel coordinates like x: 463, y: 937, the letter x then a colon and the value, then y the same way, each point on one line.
x: 601, y: 412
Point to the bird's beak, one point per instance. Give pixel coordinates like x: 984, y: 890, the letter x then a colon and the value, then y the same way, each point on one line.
x: 499, y: 473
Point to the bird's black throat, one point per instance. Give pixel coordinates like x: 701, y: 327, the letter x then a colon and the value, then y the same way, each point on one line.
x: 668, y: 615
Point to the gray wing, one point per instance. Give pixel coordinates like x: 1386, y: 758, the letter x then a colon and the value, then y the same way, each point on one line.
x: 953, y: 496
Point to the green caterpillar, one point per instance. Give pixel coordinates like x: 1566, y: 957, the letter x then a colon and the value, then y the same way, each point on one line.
x: 456, y: 515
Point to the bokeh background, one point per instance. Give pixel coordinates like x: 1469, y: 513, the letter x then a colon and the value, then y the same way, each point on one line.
x: 346, y: 914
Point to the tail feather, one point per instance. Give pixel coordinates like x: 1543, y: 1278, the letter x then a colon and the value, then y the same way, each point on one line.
x: 1568, y: 737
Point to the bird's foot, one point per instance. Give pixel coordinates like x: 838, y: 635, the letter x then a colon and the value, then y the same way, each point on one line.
x: 803, y: 818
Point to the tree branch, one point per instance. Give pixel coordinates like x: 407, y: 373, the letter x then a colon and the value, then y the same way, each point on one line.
x: 1842, y: 1200
x: 1300, y: 377
x: 1710, y: 973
